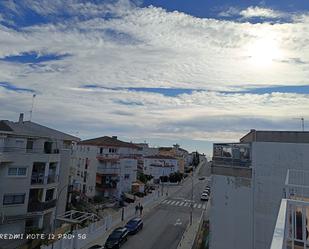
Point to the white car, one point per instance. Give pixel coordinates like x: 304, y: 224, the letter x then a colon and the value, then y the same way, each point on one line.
x: 206, y: 191
x: 204, y: 197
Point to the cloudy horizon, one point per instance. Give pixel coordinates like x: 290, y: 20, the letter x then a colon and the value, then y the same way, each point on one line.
x: 148, y: 70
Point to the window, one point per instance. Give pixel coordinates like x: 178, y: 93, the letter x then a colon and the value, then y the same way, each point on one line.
x: 112, y: 150
x: 11, y: 199
x: 22, y: 171
x: 127, y: 176
x: 29, y: 145
x: 101, y: 150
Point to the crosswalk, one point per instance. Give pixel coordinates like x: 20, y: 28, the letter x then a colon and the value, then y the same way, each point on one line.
x: 183, y: 204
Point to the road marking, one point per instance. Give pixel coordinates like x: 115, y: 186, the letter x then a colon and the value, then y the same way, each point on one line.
x: 204, y: 206
x: 199, y: 205
x: 178, y: 222
x: 177, y: 202
x: 172, y: 203
x: 195, y: 205
x: 186, y: 204
x: 181, y: 204
x: 168, y: 202
x: 165, y: 201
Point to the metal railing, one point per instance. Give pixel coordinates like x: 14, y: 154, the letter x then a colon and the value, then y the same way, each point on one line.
x: 39, y: 178
x: 34, y: 206
x: 6, y: 149
x: 292, y: 226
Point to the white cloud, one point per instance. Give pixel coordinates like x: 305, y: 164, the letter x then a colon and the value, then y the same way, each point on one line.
x: 261, y: 12
x: 149, y: 47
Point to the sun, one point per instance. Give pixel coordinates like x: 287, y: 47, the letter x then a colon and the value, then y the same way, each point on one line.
x: 264, y: 52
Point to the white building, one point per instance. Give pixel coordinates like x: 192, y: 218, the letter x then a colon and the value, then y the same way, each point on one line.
x: 34, y: 167
x: 160, y: 165
x: 83, y: 169
x: 247, y: 186
x: 112, y: 164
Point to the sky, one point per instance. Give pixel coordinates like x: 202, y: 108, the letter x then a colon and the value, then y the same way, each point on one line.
x: 188, y: 72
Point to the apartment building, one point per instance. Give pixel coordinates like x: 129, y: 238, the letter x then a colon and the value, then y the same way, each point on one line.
x: 34, y: 169
x: 144, y: 150
x: 112, y: 164
x: 180, y: 154
x: 248, y: 181
x: 160, y: 165
x: 83, y: 169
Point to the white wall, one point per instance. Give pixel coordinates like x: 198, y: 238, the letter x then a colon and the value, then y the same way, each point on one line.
x: 271, y: 161
x: 230, y: 213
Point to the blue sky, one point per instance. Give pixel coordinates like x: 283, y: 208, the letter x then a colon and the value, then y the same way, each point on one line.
x: 187, y: 72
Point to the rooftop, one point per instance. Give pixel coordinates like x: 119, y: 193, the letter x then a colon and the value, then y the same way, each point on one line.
x: 276, y: 136
x: 160, y: 157
x: 108, y: 141
x: 31, y: 129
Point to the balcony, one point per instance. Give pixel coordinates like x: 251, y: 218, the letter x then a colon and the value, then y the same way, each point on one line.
x: 108, y: 170
x: 108, y: 157
x: 41, y: 206
x: 6, y: 149
x: 291, y: 230
x: 232, y: 155
x: 40, y: 179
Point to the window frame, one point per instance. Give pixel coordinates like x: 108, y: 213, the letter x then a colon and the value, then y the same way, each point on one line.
x: 18, y: 169
x: 14, y: 196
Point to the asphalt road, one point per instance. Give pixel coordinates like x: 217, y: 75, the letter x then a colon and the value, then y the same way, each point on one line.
x: 165, y: 224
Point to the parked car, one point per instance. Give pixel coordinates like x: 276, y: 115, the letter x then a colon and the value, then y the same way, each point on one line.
x: 206, y: 191
x: 134, y: 225
x: 204, y: 197
x: 96, y: 247
x: 201, y: 178
x: 117, y: 238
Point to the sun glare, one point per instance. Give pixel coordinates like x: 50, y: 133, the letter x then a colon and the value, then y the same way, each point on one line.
x: 264, y: 52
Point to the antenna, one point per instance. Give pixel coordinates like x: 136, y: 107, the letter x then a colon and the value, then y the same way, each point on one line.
x: 302, y: 120
x: 33, y: 96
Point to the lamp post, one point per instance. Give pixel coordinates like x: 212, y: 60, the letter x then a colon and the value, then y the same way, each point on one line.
x: 56, y: 210
x: 191, y: 206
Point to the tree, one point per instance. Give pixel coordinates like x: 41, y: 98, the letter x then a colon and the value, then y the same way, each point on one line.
x: 144, y: 178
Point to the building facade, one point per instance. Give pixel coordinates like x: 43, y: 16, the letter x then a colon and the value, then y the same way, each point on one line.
x: 159, y: 165
x: 34, y: 168
x: 247, y: 186
x: 115, y: 164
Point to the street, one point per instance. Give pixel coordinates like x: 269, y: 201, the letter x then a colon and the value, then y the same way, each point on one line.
x: 165, y: 224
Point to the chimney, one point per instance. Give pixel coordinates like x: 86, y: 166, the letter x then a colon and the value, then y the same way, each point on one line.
x: 114, y: 137
x: 21, y: 118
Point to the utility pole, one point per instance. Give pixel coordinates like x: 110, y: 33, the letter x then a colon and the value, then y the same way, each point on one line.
x: 191, y: 206
x: 302, y: 120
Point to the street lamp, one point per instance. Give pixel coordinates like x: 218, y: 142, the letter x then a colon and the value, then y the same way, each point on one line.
x: 56, y: 210
x: 191, y: 206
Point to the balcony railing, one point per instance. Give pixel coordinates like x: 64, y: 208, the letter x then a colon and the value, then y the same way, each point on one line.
x: 39, y: 178
x: 232, y: 155
x: 5, y: 149
x: 291, y: 231
x: 41, y: 206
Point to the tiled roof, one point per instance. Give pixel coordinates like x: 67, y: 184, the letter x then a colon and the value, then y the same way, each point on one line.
x: 160, y: 157
x: 31, y: 129
x: 4, y: 126
x: 108, y: 141
x: 166, y: 148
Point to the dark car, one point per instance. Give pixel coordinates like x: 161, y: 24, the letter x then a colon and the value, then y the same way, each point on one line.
x: 134, y: 225
x: 117, y: 238
x: 96, y: 247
